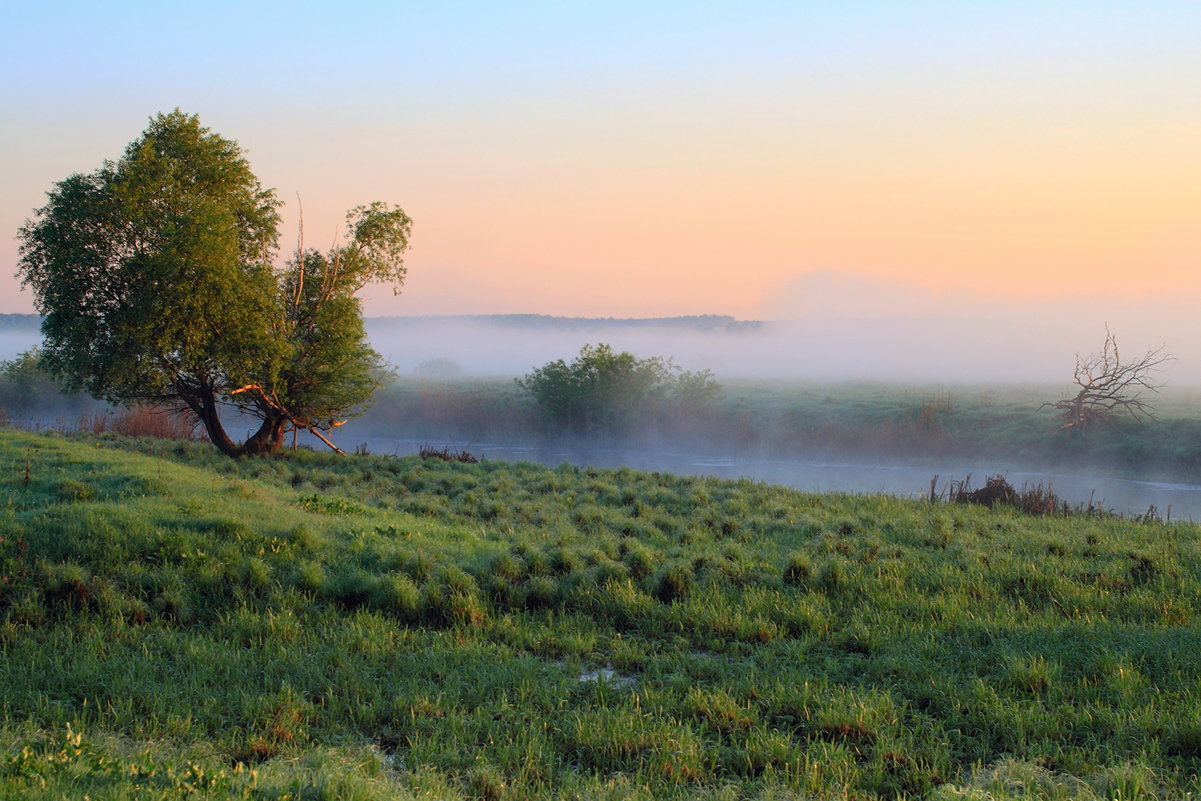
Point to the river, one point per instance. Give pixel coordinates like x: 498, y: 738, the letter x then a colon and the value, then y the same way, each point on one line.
x: 1123, y: 495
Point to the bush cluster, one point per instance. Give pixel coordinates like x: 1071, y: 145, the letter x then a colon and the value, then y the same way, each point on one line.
x: 601, y: 391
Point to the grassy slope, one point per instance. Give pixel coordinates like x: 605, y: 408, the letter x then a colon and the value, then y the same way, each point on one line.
x: 176, y: 624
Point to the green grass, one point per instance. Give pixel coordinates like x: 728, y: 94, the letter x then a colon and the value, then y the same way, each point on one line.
x: 177, y: 624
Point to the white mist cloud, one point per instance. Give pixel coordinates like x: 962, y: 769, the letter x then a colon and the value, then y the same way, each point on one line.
x: 13, y: 343
x: 825, y: 325
x: 834, y: 326
x: 891, y: 330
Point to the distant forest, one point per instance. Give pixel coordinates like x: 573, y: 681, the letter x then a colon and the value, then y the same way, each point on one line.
x: 546, y: 322
x: 700, y: 322
x: 20, y: 322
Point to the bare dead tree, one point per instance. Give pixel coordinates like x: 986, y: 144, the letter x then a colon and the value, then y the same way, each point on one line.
x: 1111, y: 387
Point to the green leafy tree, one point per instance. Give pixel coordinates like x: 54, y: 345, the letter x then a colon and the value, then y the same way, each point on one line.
x: 604, y: 391
x: 329, y: 368
x: 155, y: 277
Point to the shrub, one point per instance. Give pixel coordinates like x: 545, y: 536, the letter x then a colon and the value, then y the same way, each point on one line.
x: 603, y: 391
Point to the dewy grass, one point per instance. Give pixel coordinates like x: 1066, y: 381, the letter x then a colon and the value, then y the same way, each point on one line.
x: 174, y: 623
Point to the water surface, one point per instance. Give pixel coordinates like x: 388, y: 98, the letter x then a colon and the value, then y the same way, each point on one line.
x: 904, y: 479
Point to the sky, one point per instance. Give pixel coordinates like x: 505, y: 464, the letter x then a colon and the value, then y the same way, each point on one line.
x: 628, y: 159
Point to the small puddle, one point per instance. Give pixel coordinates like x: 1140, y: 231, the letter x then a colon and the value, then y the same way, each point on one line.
x: 393, y: 762
x: 608, y: 676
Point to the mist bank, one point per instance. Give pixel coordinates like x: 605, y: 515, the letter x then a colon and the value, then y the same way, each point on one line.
x: 1005, y: 426
x: 841, y: 333
x: 898, y: 349
x: 18, y: 333
x: 836, y: 325
x: 826, y: 437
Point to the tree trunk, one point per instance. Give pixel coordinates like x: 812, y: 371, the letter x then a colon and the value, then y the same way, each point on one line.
x: 268, y: 439
x: 205, y: 408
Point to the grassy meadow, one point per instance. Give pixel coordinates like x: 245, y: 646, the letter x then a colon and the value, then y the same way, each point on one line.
x: 177, y: 624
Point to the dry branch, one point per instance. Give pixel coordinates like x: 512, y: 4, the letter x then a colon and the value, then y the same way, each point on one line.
x: 1111, y: 387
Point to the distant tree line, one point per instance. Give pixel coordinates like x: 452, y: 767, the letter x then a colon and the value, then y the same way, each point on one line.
x: 28, y: 323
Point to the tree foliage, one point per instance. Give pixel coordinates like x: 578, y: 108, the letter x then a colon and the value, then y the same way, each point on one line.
x: 155, y: 277
x: 604, y: 391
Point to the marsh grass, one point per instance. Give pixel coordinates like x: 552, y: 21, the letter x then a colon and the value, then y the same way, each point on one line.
x: 135, y: 421
x: 311, y: 626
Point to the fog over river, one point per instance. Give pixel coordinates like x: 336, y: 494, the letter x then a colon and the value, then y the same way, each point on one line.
x: 843, y: 337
